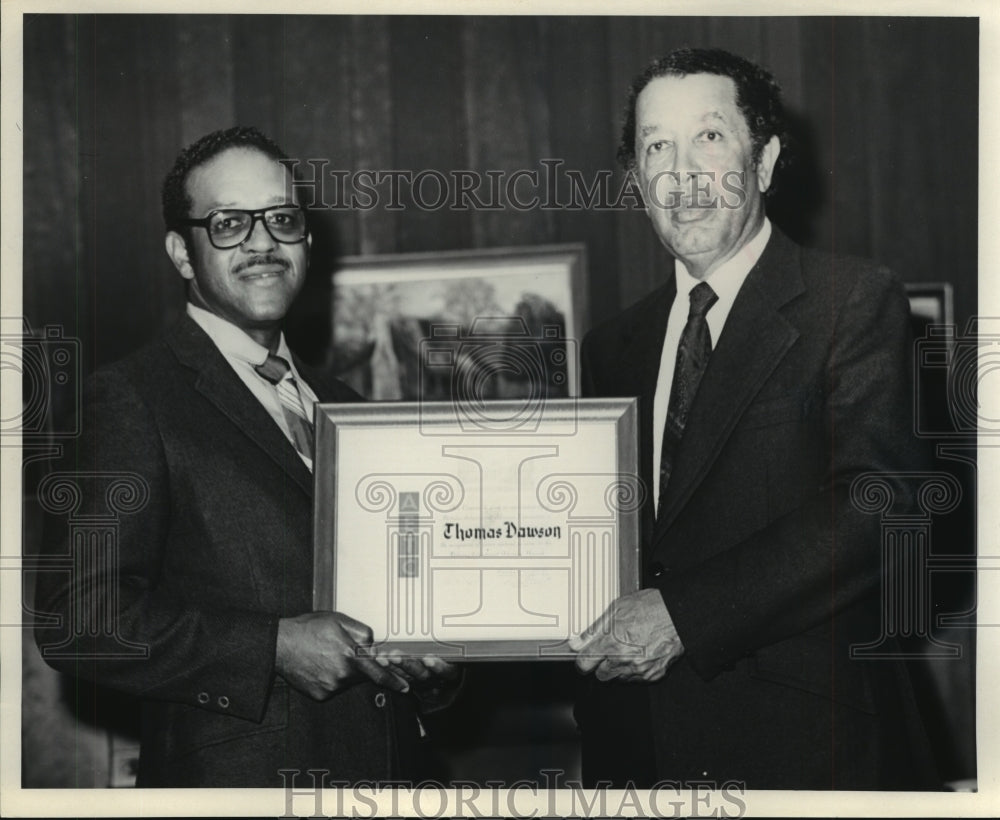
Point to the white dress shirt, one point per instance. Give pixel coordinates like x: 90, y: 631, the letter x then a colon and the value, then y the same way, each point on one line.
x: 726, y: 281
x: 243, y: 354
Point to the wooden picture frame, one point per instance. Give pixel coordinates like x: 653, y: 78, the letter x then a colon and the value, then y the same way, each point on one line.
x: 497, y: 299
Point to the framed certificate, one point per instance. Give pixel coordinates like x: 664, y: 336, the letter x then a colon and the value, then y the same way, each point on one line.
x: 476, y: 532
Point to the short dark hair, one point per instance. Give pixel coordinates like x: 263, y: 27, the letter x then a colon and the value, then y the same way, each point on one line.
x: 758, y: 95
x: 176, y: 201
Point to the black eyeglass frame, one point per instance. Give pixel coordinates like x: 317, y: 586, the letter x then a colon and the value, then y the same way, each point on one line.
x: 258, y: 214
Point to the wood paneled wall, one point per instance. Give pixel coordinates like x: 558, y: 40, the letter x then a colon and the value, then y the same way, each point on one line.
x: 886, y: 109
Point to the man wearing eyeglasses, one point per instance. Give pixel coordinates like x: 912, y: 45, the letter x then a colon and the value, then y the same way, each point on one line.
x: 243, y: 684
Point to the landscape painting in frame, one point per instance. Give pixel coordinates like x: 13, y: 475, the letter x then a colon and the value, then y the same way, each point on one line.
x: 499, y: 323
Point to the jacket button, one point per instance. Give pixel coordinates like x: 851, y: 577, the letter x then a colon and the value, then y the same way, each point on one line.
x: 203, y: 697
x: 657, y: 570
x: 380, y: 700
x: 223, y: 701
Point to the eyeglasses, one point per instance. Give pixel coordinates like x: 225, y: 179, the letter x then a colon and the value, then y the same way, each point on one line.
x: 233, y: 226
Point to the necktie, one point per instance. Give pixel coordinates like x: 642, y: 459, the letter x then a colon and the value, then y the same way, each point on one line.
x: 277, y: 371
x: 692, y: 357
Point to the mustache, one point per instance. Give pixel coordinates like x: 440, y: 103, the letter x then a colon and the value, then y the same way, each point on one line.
x: 261, y: 259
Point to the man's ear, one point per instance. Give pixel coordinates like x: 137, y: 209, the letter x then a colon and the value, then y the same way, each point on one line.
x: 765, y: 165
x: 177, y: 250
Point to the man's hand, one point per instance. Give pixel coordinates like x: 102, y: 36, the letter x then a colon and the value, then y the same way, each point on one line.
x: 318, y: 654
x: 434, y: 681
x: 634, y: 640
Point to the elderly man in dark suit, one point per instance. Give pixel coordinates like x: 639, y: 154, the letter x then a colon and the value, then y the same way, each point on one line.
x: 213, y: 581
x: 770, y: 377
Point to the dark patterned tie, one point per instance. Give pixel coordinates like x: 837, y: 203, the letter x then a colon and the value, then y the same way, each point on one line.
x: 277, y: 371
x: 692, y: 357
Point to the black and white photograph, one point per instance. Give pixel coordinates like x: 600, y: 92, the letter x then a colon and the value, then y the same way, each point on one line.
x: 499, y: 412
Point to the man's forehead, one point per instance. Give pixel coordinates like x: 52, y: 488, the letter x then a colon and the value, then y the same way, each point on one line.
x: 704, y: 95
x: 237, y: 173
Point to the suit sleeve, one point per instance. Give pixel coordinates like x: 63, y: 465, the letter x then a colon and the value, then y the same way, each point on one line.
x: 130, y: 627
x: 821, y: 557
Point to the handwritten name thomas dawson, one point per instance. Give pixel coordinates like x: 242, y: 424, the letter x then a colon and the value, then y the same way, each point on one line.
x: 506, y: 530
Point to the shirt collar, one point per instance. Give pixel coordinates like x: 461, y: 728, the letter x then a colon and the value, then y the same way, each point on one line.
x: 233, y: 342
x: 727, y: 279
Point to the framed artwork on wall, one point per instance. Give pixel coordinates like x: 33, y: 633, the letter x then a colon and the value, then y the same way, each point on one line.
x: 931, y: 303
x: 498, y: 323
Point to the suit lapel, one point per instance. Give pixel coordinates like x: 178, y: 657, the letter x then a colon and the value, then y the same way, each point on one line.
x: 643, y: 349
x: 222, y: 387
x: 754, y: 340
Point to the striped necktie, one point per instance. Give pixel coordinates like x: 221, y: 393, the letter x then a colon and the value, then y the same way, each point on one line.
x: 277, y: 371
x: 692, y: 357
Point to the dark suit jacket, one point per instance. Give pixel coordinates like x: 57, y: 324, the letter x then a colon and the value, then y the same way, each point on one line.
x: 221, y: 550
x: 767, y: 569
